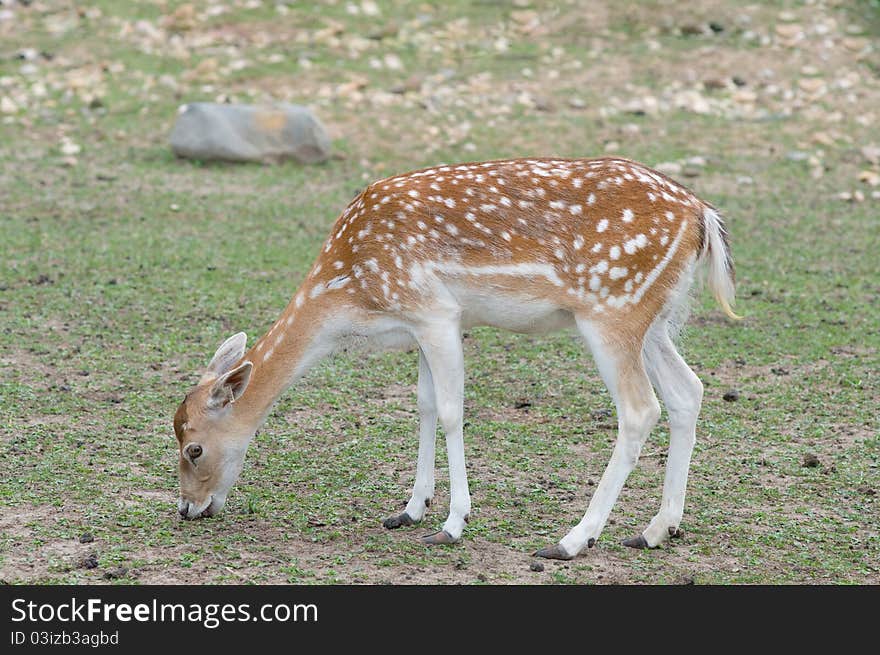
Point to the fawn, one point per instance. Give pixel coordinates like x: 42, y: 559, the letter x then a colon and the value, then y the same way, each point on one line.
x: 606, y: 246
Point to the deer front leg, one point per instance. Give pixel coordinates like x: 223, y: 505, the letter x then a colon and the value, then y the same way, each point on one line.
x: 441, y: 345
x: 423, y: 489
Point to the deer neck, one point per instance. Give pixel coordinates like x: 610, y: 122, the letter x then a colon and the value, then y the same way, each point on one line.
x: 297, y: 341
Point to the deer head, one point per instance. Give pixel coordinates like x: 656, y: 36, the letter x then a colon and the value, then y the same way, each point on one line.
x: 212, y: 436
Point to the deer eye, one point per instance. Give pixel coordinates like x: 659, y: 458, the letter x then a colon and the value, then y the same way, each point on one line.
x: 193, y: 451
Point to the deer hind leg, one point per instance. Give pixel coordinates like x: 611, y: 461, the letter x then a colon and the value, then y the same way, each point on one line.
x: 682, y: 394
x: 423, y: 488
x: 621, y: 367
x: 440, y: 343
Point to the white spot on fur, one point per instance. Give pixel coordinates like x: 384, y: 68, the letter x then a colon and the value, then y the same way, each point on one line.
x: 599, y: 268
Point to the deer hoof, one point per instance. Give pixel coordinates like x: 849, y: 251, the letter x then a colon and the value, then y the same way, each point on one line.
x: 636, y: 542
x: 554, y: 552
x: 393, y: 522
x: 439, y: 538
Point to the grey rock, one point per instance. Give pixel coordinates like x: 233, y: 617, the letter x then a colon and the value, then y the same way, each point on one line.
x: 249, y: 133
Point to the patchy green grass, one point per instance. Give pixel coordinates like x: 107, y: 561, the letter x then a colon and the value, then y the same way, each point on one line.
x: 123, y: 271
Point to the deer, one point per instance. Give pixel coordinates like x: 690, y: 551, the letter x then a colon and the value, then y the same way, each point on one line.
x: 606, y: 247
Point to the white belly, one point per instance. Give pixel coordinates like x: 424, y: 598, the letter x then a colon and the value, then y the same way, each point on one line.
x: 528, y: 315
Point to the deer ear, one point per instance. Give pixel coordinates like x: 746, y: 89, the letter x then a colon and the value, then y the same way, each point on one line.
x: 228, y: 354
x: 230, y: 386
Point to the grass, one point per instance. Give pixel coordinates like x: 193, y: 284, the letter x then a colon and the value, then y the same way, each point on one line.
x: 123, y: 273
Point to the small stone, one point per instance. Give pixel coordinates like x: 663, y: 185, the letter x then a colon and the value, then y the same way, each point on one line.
x: 116, y: 573
x: 524, y: 16
x: 89, y: 562
x: 811, y: 84
x: 68, y: 147
x: 745, y: 180
x: 810, y: 461
x: 823, y: 139
x: 855, y: 43
x: 543, y: 104
x: 790, y: 31
x: 738, y: 81
x: 370, y: 8
x: 731, y: 396
x: 182, y: 19
x: 175, y: 207
x: 86, y: 538
x: 871, y: 153
x: 745, y: 97
x: 577, y: 103
x: 797, y: 155
x: 7, y: 105
x: 668, y: 167
x: 536, y: 566
x: 393, y: 62
x: 612, y: 146
x: 716, y: 27
x: 870, y: 177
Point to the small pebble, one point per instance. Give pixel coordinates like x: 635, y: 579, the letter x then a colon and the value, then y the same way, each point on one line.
x: 118, y: 572
x: 731, y: 396
x: 86, y: 538
x: 536, y: 566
